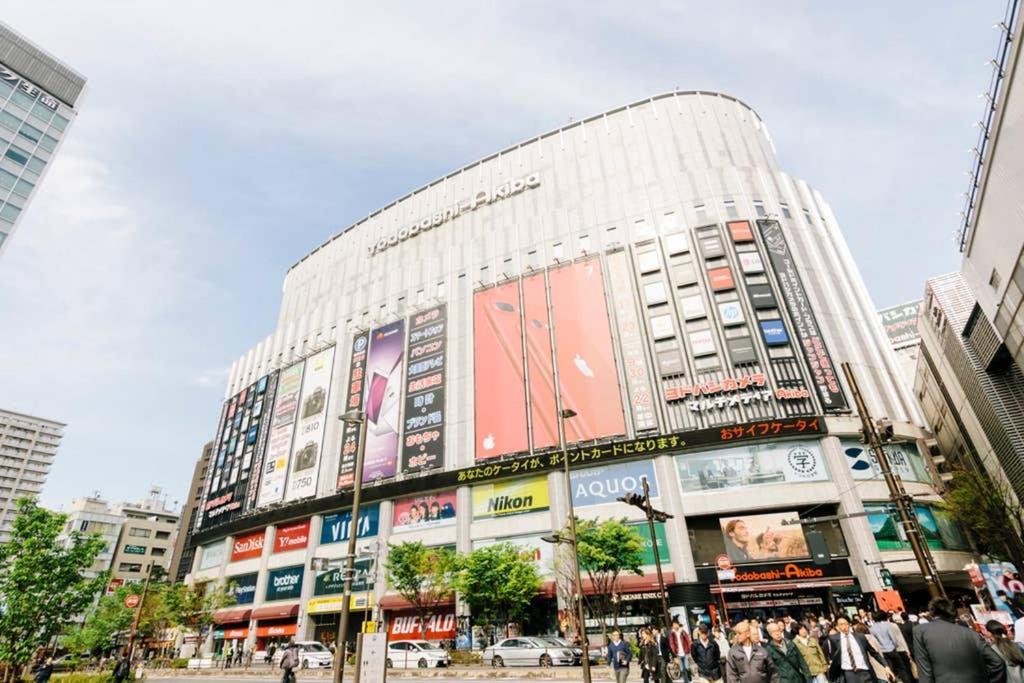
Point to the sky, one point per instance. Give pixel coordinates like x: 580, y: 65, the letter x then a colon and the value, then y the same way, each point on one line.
x: 218, y: 143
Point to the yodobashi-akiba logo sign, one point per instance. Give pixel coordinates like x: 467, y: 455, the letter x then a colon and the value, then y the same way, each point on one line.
x: 468, y: 205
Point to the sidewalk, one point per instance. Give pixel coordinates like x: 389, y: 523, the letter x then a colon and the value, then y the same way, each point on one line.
x: 568, y: 673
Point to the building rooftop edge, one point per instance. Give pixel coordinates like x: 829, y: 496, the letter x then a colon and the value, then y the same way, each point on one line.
x: 32, y: 417
x: 527, y: 141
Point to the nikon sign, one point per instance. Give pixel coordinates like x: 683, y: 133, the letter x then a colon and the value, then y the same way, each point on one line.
x: 467, y: 205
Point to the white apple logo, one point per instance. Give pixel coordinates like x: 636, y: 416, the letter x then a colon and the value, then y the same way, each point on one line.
x: 489, y: 442
x: 581, y: 365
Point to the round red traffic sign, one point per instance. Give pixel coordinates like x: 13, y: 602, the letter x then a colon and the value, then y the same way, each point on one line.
x: 132, y: 601
x: 723, y: 562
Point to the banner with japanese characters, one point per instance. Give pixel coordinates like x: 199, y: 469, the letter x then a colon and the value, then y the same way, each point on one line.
x: 423, y: 440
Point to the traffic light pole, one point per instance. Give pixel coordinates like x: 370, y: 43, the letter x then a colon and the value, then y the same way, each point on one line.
x: 649, y: 511
x: 341, y: 637
x: 897, y: 494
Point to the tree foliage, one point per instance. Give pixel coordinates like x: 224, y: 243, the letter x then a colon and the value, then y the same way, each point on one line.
x: 425, y: 577
x: 607, y: 549
x: 498, y: 582
x: 989, y: 512
x: 43, y: 585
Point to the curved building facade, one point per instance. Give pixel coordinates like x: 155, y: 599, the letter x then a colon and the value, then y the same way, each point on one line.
x: 650, y: 268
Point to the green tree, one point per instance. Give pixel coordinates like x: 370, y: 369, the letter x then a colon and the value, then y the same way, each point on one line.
x: 498, y: 582
x: 607, y: 549
x: 42, y: 582
x: 425, y: 577
x: 989, y: 512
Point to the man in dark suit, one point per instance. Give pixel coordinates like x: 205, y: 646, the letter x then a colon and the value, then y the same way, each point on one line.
x: 664, y: 652
x: 850, y: 654
x: 947, y: 652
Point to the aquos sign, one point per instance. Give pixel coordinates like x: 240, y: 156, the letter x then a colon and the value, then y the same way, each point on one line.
x: 468, y: 205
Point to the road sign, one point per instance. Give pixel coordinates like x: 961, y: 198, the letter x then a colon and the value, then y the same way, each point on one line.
x: 132, y: 601
x: 723, y: 562
x: 886, y: 577
x: 373, y: 657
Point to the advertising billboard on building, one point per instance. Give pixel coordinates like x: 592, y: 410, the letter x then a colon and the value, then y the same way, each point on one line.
x: 337, y: 527
x: 284, y: 583
x: 424, y: 512
x: 291, y: 536
x: 647, y: 556
x: 606, y: 483
x: 311, y: 422
x: 888, y: 533
x: 631, y: 342
x: 823, y: 370
x: 763, y: 537
x: 782, y: 462
x: 282, y: 428
x: 382, y: 400
x: 406, y: 625
x: 423, y: 440
x: 900, y: 324
x: 904, y: 460
x: 540, y: 370
x: 353, y: 401
x: 584, y: 358
x: 332, y: 581
x: 498, y: 372
x: 248, y: 546
x: 242, y: 588
x: 510, y: 497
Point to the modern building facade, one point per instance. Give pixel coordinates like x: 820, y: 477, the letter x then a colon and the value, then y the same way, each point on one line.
x: 650, y: 268
x: 184, y: 550
x: 900, y: 325
x: 28, y: 446
x: 93, y: 515
x: 147, y: 537
x: 39, y: 96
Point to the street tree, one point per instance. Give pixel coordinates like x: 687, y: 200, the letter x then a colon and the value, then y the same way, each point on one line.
x: 192, y: 607
x: 43, y: 582
x: 607, y: 550
x: 498, y: 582
x: 990, y: 513
x: 424, y: 576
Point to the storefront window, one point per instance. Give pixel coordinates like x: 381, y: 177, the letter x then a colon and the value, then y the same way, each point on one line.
x: 736, y: 467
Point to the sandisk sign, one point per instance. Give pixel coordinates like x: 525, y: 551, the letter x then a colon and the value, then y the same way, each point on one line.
x: 406, y: 625
x: 468, y: 205
x: 291, y: 537
x: 247, y: 547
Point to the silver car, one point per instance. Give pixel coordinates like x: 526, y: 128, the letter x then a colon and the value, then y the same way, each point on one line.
x: 524, y: 651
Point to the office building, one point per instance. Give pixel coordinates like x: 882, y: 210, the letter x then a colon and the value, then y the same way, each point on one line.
x: 650, y: 268
x: 181, y: 558
x: 39, y: 96
x: 93, y: 515
x: 28, y: 446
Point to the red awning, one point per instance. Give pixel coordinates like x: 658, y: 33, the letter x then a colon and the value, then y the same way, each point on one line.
x: 276, y: 611
x: 396, y: 601
x: 230, y: 616
x: 631, y: 583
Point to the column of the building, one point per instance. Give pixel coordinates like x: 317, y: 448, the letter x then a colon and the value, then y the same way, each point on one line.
x: 678, y: 534
x: 463, y: 540
x: 261, y: 580
x: 304, y: 628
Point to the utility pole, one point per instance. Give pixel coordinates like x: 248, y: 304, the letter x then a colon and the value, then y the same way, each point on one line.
x: 644, y: 503
x: 138, y: 613
x: 897, y: 494
x: 341, y: 637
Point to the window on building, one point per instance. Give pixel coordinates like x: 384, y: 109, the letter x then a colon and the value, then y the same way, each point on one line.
x: 785, y: 210
x: 9, y: 212
x: 994, y: 279
x: 17, y: 156
x: 138, y: 533
x: 759, y: 208
x: 163, y: 535
x: 83, y: 525
x: 159, y: 552
x: 129, y: 567
x: 730, y: 209
x: 59, y: 122
x: 807, y: 217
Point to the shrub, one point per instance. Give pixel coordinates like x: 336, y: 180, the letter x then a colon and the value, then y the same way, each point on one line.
x: 464, y: 658
x: 179, y: 663
x: 80, y: 677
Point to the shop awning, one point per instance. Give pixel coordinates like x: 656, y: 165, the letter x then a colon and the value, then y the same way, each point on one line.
x: 778, y: 586
x: 631, y: 583
x: 276, y: 611
x: 230, y: 616
x: 396, y: 601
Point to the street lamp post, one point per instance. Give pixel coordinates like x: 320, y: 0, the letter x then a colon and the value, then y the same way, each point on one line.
x: 563, y: 415
x: 341, y: 637
x: 644, y: 503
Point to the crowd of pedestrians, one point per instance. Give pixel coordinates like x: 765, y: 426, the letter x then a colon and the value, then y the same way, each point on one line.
x: 936, y: 646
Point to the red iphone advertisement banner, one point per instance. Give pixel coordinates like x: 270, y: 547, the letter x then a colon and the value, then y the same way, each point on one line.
x: 585, y: 359
x: 543, y: 408
x: 498, y: 373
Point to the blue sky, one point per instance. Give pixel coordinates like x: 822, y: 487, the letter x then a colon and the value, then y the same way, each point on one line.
x: 220, y: 142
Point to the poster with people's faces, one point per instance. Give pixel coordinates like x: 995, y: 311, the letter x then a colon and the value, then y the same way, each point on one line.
x: 425, y: 512
x: 763, y: 538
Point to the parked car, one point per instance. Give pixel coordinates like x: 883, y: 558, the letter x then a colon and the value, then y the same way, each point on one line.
x: 524, y: 651
x: 416, y: 654
x: 312, y: 655
x: 596, y: 652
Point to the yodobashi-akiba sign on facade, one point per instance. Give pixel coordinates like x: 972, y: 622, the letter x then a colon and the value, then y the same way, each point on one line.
x: 467, y: 205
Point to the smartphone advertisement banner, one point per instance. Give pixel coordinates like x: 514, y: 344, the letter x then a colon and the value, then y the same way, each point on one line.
x: 310, y: 425
x: 423, y: 441
x: 823, y: 370
x: 539, y: 362
x: 279, y: 446
x: 498, y: 373
x: 584, y: 357
x: 638, y: 379
x: 263, y: 408
x: 382, y: 398
x: 353, y: 401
